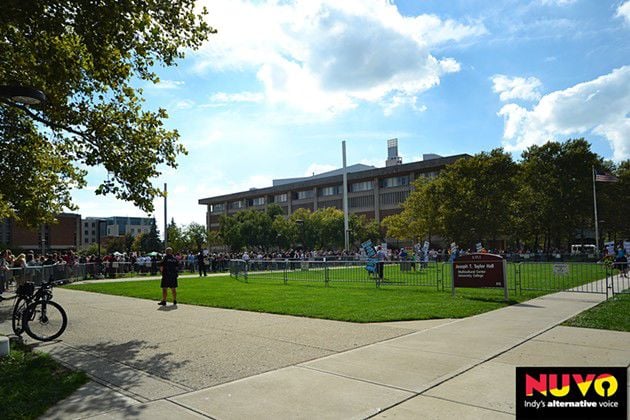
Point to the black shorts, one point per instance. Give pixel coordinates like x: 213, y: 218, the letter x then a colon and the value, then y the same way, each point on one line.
x: 169, y: 282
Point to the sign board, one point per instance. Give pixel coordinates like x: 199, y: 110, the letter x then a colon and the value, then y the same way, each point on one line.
x: 561, y: 269
x: 480, y: 270
x: 370, y: 265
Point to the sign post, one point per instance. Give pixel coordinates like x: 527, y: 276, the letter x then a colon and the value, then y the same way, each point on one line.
x: 480, y: 270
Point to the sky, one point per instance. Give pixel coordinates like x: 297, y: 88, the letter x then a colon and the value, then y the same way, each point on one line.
x: 282, y: 83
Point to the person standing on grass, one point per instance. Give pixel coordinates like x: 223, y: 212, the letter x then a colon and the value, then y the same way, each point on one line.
x: 381, y: 255
x: 169, y: 267
x: 621, y: 260
x: 201, y: 261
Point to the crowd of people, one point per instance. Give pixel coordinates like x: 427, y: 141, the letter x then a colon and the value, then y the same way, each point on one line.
x: 204, y: 262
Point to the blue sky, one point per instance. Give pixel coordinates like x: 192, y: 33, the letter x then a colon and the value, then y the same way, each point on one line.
x: 274, y: 93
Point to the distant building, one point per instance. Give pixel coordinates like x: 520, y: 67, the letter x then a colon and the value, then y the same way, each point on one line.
x: 373, y: 192
x: 64, y: 235
x: 113, y: 226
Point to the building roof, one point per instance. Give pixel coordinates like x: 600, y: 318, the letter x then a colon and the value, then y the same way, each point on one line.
x: 352, y: 168
x: 425, y: 166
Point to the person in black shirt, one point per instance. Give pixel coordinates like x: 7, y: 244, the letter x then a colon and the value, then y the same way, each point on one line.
x: 201, y: 260
x: 169, y: 268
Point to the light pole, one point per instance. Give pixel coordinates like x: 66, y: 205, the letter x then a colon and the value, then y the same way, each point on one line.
x: 22, y: 94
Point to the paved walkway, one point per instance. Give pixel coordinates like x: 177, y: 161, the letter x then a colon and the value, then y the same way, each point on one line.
x: 195, y: 362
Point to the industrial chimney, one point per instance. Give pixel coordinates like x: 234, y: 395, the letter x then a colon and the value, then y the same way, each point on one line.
x: 392, y: 153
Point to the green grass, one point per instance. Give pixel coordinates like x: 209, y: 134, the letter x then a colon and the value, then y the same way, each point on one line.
x: 355, y: 302
x: 33, y: 382
x: 609, y: 315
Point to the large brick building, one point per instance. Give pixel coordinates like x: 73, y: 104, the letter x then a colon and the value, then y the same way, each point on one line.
x: 373, y: 192
x: 66, y: 234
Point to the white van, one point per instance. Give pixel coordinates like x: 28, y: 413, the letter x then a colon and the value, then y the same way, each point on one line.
x: 583, y: 249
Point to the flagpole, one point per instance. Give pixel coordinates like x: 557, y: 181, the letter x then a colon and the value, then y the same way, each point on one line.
x: 595, y: 209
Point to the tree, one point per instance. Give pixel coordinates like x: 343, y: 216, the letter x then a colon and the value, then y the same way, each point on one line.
x: 150, y: 242
x: 175, y: 237
x: 555, y: 197
x: 420, y: 215
x: 116, y: 244
x: 86, y: 56
x: 196, y: 236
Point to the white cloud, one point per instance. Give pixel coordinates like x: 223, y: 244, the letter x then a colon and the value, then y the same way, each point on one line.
x: 184, y: 104
x: 328, y: 56
x: 510, y: 88
x: 600, y: 107
x: 393, y: 103
x: 222, y: 98
x: 166, y: 84
x: 623, y: 11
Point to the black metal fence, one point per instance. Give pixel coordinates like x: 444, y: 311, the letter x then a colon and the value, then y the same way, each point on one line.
x: 593, y: 277
x: 401, y: 273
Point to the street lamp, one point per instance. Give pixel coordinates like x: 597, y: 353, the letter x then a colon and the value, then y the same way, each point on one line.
x: 22, y: 94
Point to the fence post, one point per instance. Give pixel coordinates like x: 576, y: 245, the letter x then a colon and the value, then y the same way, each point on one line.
x: 325, y: 272
x: 286, y: 274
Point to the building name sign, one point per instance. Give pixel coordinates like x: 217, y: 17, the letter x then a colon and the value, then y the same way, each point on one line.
x: 479, y: 270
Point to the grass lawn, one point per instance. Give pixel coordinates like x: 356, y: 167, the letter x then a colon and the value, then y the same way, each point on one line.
x: 357, y: 302
x: 33, y: 382
x: 610, y: 315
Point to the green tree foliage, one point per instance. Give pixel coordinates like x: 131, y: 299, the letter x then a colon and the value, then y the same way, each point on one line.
x: 543, y: 201
x: 175, y: 237
x: 555, y: 197
x: 150, y: 242
x: 196, y: 236
x: 476, y: 197
x: 116, y: 244
x: 322, y: 229
x: 420, y: 217
x: 85, y: 56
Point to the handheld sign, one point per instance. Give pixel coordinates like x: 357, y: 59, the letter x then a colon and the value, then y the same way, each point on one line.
x: 480, y: 270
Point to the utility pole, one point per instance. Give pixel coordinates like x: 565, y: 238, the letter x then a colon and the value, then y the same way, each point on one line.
x: 346, y: 229
x: 165, y: 220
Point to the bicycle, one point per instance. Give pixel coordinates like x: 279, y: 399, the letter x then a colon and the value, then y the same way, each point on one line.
x: 36, y: 314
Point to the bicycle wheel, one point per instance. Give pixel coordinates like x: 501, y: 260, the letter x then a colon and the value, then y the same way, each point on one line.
x: 44, y: 320
x: 18, y: 312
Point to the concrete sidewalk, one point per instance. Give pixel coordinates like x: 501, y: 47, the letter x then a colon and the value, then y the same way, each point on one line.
x: 196, y: 362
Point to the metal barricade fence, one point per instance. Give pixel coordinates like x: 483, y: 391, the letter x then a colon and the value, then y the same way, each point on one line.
x: 619, y: 278
x: 402, y: 273
x: 559, y: 276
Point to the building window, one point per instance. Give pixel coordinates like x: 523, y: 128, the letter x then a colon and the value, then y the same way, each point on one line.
x: 217, y: 208
x: 333, y: 190
x: 237, y: 204
x: 280, y: 198
x: 301, y: 195
x: 359, y: 202
x: 361, y: 186
x: 396, y: 181
x: 394, y: 198
x: 259, y: 201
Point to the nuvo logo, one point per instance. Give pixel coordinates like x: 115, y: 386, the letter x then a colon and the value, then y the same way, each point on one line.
x: 571, y: 393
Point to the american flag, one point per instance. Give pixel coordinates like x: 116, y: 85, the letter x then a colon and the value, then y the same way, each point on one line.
x: 605, y: 177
